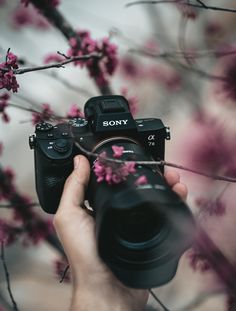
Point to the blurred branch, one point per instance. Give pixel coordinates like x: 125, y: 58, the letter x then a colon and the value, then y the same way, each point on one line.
x: 7, y: 276
x: 57, y: 19
x: 55, y: 65
x: 201, y: 5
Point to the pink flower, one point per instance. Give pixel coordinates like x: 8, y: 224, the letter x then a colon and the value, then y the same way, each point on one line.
x: 28, y: 16
x: 197, y: 259
x: 228, y: 85
x: 99, y: 69
x: 7, y: 77
x: 166, y: 76
x: 112, y: 172
x: 7, y: 187
x: 209, y: 138
x: 214, y: 28
x: 186, y: 10
x: 118, y: 151
x: 60, y: 266
x: 130, y: 68
x: 132, y: 100
x: 45, y: 115
x: 8, y: 232
x: 75, y: 112
x: 212, y: 207
x: 37, y: 229
x: 3, y: 105
x: 142, y: 180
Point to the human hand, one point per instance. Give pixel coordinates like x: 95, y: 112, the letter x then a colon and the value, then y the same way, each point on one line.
x: 94, y: 285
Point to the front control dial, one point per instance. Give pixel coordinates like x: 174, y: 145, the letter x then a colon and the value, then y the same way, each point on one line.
x: 61, y: 145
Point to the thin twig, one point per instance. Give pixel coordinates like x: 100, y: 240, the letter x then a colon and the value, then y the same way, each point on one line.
x: 55, y: 65
x: 158, y: 300
x: 15, y: 307
x: 155, y: 163
x: 197, y: 71
x: 201, y: 6
x: 64, y: 273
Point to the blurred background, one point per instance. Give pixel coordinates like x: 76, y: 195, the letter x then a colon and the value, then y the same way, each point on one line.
x: 175, y: 63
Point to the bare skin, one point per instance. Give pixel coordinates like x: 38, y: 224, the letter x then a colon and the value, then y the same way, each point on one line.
x: 94, y: 285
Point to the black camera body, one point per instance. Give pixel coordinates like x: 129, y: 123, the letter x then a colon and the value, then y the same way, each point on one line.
x: 106, y: 117
x: 142, y: 229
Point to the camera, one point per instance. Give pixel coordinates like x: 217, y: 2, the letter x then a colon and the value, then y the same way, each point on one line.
x: 142, y: 229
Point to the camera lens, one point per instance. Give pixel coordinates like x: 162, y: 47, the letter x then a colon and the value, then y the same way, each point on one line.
x: 137, y: 225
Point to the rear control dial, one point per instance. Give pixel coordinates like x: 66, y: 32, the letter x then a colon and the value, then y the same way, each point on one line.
x: 61, y: 145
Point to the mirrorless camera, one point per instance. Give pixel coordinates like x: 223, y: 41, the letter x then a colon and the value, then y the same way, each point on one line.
x: 142, y: 229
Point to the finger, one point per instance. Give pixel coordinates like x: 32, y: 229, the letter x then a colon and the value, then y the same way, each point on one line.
x: 76, y: 183
x: 172, y: 177
x: 181, y: 190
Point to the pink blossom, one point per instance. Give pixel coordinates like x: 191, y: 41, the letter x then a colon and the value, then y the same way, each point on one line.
x: 141, y: 180
x: 209, y: 138
x: 53, y: 58
x: 3, y: 105
x: 228, y: 85
x: 197, y: 259
x: 166, y: 76
x: 99, y: 69
x: 213, y: 28
x: 118, y: 151
x: 112, y: 172
x: 132, y: 100
x: 130, y: 68
x: 186, y: 10
x: 37, y: 229
x: 60, y: 266
x: 7, y: 76
x: 8, y: 232
x: 75, y: 112
x: 7, y: 187
x: 212, y: 207
x: 28, y: 16
x: 42, y: 116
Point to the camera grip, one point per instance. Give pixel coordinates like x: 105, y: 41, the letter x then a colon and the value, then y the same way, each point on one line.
x: 50, y: 176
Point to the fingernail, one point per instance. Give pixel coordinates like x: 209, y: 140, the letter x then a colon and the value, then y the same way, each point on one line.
x: 76, y: 162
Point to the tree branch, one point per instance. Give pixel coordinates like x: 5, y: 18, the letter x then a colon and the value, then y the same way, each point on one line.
x: 54, y: 65
x: 160, y: 162
x: 200, y: 5
x: 58, y: 20
x: 15, y: 307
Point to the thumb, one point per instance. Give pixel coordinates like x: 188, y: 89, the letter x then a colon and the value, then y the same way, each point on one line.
x: 75, y: 185
x: 71, y: 222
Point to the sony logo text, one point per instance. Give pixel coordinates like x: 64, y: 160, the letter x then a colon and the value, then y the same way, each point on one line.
x: 114, y: 122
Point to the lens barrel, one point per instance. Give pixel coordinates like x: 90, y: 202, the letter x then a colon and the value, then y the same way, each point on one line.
x: 141, y: 230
